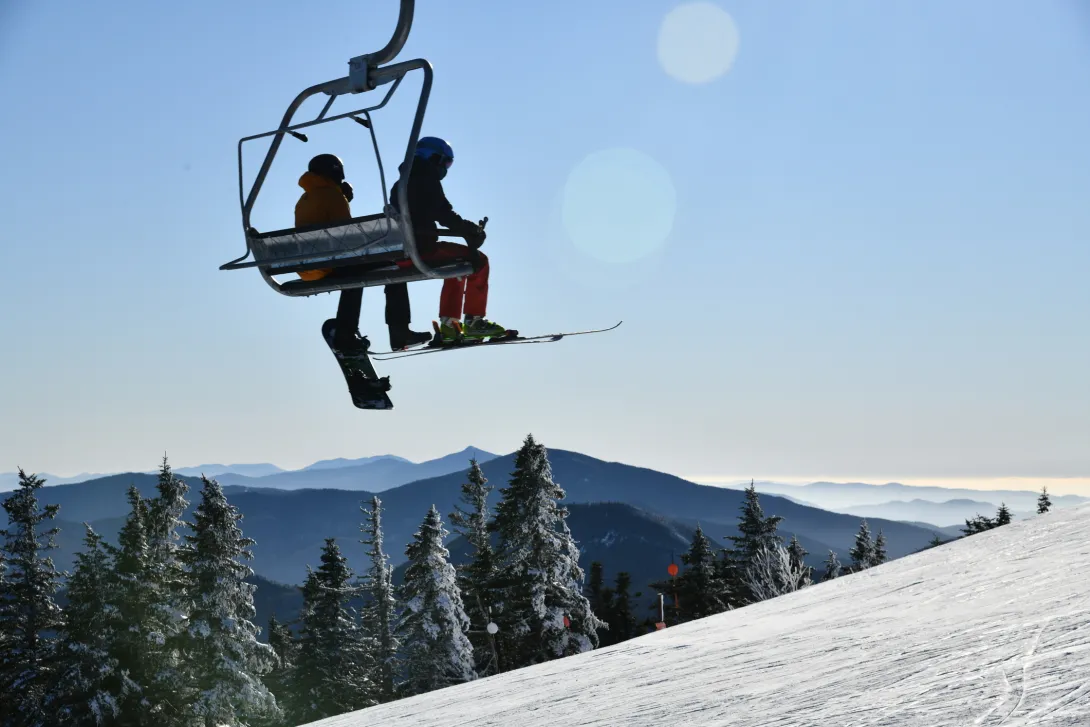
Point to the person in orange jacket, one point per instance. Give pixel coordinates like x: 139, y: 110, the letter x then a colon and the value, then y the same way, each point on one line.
x: 326, y: 197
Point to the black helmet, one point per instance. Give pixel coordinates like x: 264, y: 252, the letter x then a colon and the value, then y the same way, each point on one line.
x: 328, y: 166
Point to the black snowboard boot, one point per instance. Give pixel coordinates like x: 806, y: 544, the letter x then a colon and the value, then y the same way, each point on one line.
x: 401, y: 337
x: 350, y: 347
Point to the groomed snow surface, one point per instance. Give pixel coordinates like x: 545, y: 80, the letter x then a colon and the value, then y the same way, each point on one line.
x: 990, y: 630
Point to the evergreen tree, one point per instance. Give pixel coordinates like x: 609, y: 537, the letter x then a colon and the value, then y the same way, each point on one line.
x: 756, y: 533
x: 539, y: 568
x: 379, y: 613
x: 91, y: 687
x: 596, y: 589
x: 477, y: 578
x: 832, y: 567
x: 1044, y: 503
x: 773, y: 572
x: 140, y: 646
x: 433, y: 623
x: 30, y: 616
x: 1003, y: 517
x: 878, y: 555
x: 164, y: 584
x: 600, y: 598
x: 4, y: 622
x: 224, y: 658
x: 330, y: 673
x: 621, y: 619
x: 862, y: 553
x: 798, y: 562
x: 700, y: 591
x: 278, y: 680
x: 978, y: 524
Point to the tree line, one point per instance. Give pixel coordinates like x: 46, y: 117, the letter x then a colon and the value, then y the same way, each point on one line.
x: 158, y: 628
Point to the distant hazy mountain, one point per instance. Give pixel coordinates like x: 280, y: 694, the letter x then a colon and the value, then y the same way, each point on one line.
x: 10, y: 480
x: 949, y: 513
x: 332, y: 464
x: 291, y: 525
x: 375, y: 475
x: 840, y: 496
x: 215, y: 470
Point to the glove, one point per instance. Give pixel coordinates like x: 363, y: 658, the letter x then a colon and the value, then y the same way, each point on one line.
x: 474, y: 235
x: 346, y: 189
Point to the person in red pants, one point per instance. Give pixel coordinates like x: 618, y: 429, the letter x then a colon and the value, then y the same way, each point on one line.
x: 429, y: 207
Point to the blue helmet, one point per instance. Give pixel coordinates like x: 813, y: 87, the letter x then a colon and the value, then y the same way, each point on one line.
x: 429, y: 146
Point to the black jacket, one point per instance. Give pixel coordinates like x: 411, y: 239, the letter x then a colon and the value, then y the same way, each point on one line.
x: 429, y: 206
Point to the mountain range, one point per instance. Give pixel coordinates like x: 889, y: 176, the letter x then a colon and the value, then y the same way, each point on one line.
x: 373, y: 474
x: 847, y: 497
x: 942, y: 514
x: 291, y: 525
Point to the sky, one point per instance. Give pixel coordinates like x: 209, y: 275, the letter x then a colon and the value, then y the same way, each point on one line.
x: 847, y: 240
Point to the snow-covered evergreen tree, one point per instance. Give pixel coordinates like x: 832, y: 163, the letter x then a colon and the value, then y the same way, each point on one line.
x: 1003, y: 516
x: 140, y: 646
x: 1044, y: 502
x: 90, y: 687
x: 380, y: 612
x: 538, y: 564
x: 433, y: 621
x: 862, y: 553
x: 798, y: 562
x: 165, y: 583
x: 700, y: 591
x: 773, y: 572
x: 220, y: 647
x: 756, y: 532
x: 330, y: 674
x: 832, y: 567
x: 878, y: 555
x: 29, y: 617
x: 477, y: 578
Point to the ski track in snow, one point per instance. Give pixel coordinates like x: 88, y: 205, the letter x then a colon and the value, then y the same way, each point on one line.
x: 990, y: 630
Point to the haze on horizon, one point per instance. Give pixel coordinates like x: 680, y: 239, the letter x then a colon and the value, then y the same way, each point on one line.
x: 848, y: 241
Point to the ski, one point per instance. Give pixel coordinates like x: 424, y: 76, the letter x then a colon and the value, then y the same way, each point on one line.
x: 500, y: 341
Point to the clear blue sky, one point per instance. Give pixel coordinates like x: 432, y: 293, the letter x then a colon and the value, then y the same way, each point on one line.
x: 860, y: 252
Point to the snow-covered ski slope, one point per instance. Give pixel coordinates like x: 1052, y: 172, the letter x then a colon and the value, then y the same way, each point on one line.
x: 989, y: 630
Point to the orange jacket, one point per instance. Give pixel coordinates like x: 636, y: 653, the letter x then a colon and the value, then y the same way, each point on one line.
x: 322, y: 202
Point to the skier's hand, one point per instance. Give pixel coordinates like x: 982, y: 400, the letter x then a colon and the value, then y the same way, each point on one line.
x: 475, y: 236
x: 346, y: 189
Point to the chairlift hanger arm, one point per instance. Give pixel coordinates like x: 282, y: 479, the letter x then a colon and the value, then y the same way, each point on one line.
x: 397, y: 40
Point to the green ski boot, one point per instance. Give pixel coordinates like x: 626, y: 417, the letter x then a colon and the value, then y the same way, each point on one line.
x: 480, y: 327
x: 450, y: 331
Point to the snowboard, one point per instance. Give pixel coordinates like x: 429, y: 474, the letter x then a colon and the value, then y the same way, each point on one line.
x: 436, y: 345
x: 363, y: 381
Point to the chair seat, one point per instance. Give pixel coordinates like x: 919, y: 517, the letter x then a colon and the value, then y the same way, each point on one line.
x: 315, y: 246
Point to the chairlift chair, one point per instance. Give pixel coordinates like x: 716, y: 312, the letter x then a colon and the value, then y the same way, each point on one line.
x: 380, y: 246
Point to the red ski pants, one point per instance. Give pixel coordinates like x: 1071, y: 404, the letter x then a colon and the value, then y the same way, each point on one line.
x: 473, y: 288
